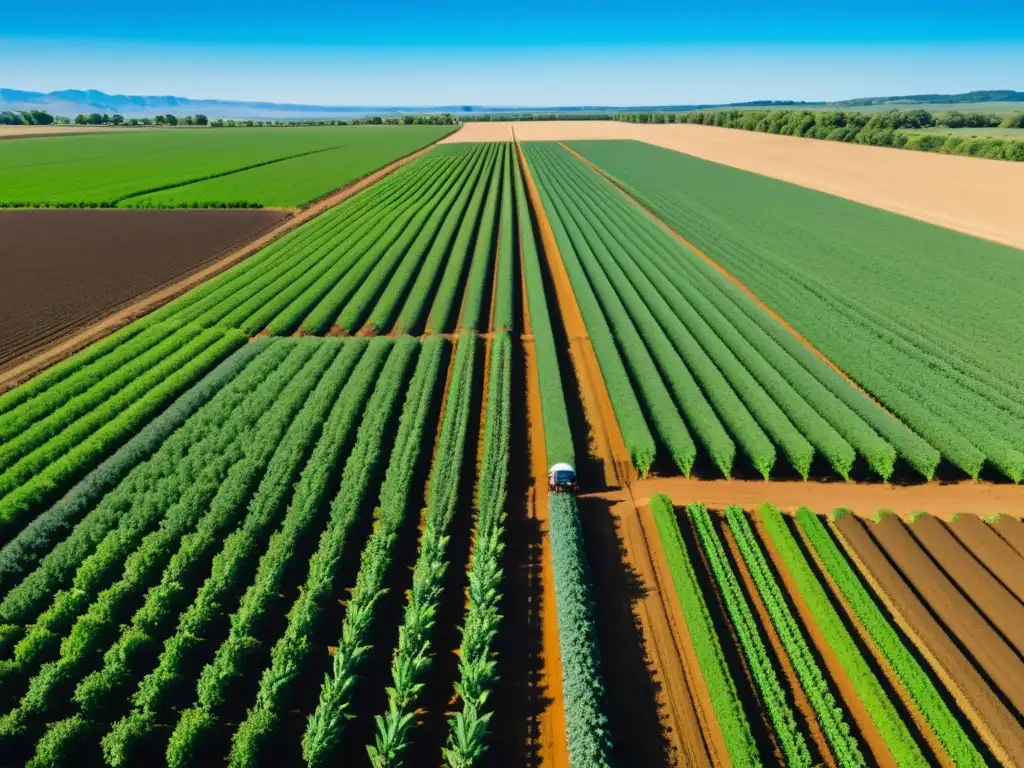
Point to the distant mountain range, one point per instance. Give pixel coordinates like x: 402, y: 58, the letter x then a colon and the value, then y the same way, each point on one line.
x: 73, y: 102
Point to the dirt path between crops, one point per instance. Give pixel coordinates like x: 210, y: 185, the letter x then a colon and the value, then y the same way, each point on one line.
x: 690, y: 727
x: 973, y: 195
x: 863, y: 499
x: 147, y: 304
x: 988, y: 714
x: 992, y: 551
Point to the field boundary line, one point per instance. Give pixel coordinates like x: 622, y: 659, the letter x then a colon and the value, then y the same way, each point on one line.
x: 24, y: 370
x: 633, y: 534
x: 725, y: 273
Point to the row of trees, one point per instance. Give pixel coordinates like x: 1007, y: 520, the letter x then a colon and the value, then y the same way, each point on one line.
x: 41, y: 117
x: 30, y: 117
x: 883, y: 129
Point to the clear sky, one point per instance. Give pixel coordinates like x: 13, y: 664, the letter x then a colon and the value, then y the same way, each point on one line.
x: 526, y: 53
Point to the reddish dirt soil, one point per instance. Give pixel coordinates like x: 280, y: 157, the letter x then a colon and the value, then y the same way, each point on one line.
x: 871, y: 742
x: 1012, y: 531
x: 863, y: 499
x: 62, y: 269
x: 972, y: 195
x: 990, y: 597
x: 690, y: 727
x: 820, y: 750
x: 997, y: 556
x: 991, y: 653
x: 932, y: 747
x: 989, y: 715
x: 19, y: 371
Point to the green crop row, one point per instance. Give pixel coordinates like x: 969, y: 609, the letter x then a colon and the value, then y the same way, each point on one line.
x: 481, y: 265
x: 326, y: 724
x: 292, y: 650
x: 175, y: 557
x: 914, y: 329
x: 837, y: 731
x: 739, y: 741
x: 504, y: 270
x: 930, y: 703
x: 583, y: 692
x: 776, y: 701
x: 467, y: 735
x: 555, y: 415
x: 412, y: 656
x: 894, y: 731
x: 635, y: 432
x: 192, y: 641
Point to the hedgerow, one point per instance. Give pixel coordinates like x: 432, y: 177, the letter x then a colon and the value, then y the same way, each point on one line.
x: 725, y: 699
x: 586, y: 724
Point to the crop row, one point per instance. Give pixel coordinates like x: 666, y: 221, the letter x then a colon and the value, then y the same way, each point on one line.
x: 583, y: 691
x: 884, y: 297
x: 695, y: 362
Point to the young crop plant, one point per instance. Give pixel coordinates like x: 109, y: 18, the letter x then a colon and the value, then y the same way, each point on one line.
x: 555, y: 415
x: 412, y: 657
x: 837, y: 731
x: 898, y: 738
x: 504, y: 270
x: 794, y: 746
x: 635, y: 431
x: 293, y: 649
x: 326, y: 724
x: 930, y: 703
x: 467, y: 735
x: 586, y: 724
x: 481, y: 266
x: 183, y: 650
x: 722, y: 688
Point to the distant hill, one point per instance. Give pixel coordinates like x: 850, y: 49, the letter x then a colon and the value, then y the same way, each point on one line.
x: 74, y: 102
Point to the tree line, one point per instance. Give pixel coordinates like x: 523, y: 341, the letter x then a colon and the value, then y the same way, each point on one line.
x: 892, y: 128
x: 41, y: 117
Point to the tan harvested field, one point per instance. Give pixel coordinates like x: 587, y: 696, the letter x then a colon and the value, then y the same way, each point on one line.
x: 979, y: 197
x: 35, y: 131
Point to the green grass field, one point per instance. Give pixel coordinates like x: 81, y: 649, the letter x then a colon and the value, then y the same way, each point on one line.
x: 248, y: 167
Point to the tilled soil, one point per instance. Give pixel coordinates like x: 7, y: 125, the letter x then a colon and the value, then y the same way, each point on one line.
x: 998, y: 557
x: 62, y: 269
x: 990, y: 716
x: 991, y: 598
x: 991, y: 653
x: 1012, y: 531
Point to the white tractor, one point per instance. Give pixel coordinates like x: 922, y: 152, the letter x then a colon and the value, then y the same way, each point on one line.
x: 561, y: 478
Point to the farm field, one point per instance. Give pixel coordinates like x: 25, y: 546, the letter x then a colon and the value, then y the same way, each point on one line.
x: 36, y: 131
x: 299, y: 515
x: 938, y: 367
x: 60, y: 270
x: 981, y: 201
x: 254, y: 167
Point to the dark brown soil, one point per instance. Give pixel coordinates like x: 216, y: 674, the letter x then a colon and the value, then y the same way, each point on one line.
x: 63, y: 269
x: 992, y: 717
x: 992, y: 551
x: 1012, y: 531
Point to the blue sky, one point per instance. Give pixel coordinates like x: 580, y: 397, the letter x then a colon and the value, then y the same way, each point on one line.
x: 526, y: 53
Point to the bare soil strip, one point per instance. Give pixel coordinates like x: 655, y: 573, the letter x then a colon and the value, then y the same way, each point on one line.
x: 41, y: 131
x: 721, y: 270
x: 54, y: 354
x: 872, y: 744
x: 691, y: 726
x: 820, y: 750
x: 989, y: 596
x: 1012, y: 531
x: 1002, y: 560
x: 863, y: 499
x: 991, y: 718
x: 991, y: 653
x: 972, y: 195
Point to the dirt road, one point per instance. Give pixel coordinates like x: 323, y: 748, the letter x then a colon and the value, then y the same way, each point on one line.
x: 976, y: 196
